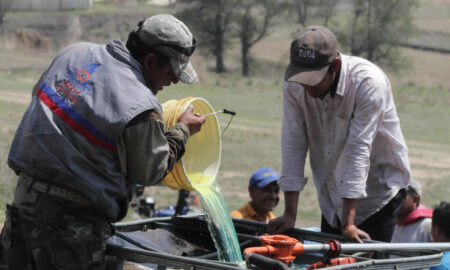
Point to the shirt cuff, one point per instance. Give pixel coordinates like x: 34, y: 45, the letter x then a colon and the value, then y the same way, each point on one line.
x: 287, y: 183
x: 181, y: 131
x: 352, y: 191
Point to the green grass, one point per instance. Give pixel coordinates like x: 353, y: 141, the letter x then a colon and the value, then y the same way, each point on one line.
x: 433, y: 10
x: 10, y: 115
x: 253, y: 137
x: 424, y: 112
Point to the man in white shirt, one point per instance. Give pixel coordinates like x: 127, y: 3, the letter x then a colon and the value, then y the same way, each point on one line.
x: 341, y: 109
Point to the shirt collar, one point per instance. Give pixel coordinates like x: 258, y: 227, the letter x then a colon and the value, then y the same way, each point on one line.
x: 342, y: 73
x: 251, y: 212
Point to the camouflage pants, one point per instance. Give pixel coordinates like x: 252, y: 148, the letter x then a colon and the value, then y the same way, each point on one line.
x: 45, y: 232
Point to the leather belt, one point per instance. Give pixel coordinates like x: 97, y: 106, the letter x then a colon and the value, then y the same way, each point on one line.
x: 53, y: 190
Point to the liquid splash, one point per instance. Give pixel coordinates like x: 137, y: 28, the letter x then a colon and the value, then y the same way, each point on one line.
x: 218, y: 218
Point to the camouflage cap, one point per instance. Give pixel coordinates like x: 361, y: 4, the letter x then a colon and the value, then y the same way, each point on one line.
x: 167, y: 35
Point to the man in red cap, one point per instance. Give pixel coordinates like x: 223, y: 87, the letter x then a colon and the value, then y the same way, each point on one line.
x: 340, y: 108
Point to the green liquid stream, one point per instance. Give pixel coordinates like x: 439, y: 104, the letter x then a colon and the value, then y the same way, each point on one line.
x: 219, y: 221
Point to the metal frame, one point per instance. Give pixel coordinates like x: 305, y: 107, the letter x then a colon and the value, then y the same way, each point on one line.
x: 419, y: 257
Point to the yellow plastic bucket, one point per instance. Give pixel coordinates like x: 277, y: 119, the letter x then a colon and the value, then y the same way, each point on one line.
x: 201, y: 160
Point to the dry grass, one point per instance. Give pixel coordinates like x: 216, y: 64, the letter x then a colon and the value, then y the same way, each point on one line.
x: 426, y: 69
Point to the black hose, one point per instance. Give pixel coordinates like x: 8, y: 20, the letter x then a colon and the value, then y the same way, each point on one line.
x: 264, y: 262
x: 229, y: 112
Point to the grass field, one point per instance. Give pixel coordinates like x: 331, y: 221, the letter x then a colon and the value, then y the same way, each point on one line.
x: 422, y: 95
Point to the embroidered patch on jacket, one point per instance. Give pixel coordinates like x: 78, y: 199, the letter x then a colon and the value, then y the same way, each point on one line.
x: 76, y: 83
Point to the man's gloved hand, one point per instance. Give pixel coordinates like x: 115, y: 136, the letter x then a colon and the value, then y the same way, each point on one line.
x: 192, y: 121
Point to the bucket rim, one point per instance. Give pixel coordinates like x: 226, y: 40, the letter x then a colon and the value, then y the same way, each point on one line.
x: 218, y: 132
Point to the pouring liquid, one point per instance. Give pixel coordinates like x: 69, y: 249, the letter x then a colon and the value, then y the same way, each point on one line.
x: 218, y: 217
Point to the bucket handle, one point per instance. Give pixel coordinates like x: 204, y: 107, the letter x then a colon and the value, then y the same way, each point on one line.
x: 232, y: 113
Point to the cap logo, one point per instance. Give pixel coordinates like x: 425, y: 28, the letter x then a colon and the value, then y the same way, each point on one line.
x: 309, y: 58
x: 307, y: 53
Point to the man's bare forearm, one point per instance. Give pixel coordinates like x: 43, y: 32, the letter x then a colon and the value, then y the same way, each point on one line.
x: 349, y: 211
x: 291, y: 202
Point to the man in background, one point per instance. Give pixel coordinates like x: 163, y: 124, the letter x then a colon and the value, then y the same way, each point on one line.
x: 440, y: 231
x: 414, y: 219
x: 264, y: 196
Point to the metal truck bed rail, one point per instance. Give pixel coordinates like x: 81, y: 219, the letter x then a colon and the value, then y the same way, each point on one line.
x: 193, y: 230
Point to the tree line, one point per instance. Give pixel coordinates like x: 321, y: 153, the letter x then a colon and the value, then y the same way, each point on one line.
x: 373, y: 29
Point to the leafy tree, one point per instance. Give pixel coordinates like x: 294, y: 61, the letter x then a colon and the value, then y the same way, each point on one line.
x: 325, y: 10
x: 209, y: 20
x: 378, y: 27
x: 254, y: 19
x: 4, y: 7
x: 301, y: 8
x: 306, y: 10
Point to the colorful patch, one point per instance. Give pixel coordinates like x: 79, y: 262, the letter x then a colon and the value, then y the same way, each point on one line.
x: 76, y: 121
x: 76, y: 83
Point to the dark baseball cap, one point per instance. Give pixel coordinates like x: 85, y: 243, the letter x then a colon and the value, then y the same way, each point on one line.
x: 312, y: 52
x: 169, y: 36
x: 263, y: 177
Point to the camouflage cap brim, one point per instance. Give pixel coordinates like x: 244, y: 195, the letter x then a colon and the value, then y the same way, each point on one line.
x: 184, y: 71
x: 180, y: 63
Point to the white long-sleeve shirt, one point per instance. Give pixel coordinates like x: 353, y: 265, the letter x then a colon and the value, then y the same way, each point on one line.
x: 419, y: 232
x: 356, y: 146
